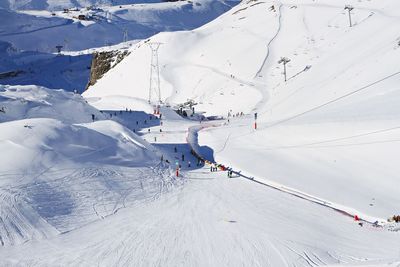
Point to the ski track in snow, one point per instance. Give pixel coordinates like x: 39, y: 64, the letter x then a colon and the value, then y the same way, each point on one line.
x: 264, y: 65
x: 201, y: 219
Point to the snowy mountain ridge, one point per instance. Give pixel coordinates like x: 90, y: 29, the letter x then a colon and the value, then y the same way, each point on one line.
x: 59, y: 5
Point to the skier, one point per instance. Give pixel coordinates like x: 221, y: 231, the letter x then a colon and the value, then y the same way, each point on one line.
x: 148, y: 130
x: 272, y: 8
x: 188, y: 164
x: 162, y: 158
x: 183, y: 157
x: 93, y: 117
x: 155, y: 139
x: 175, y: 149
x: 137, y: 123
x: 214, y: 167
x: 160, y: 130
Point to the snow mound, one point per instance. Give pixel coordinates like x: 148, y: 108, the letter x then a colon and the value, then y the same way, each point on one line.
x: 50, y: 142
x: 63, y: 171
x: 24, y: 102
x: 114, y: 102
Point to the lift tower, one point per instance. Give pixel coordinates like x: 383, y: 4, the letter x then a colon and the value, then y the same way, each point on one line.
x: 349, y: 9
x: 154, y: 89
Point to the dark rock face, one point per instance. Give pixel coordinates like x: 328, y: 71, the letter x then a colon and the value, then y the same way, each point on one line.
x: 102, y: 62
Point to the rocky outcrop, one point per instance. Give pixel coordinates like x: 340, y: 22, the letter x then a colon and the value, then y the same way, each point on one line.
x: 102, y: 62
x: 11, y: 74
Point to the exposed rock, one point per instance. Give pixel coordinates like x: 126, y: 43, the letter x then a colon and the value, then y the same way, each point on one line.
x: 102, y: 62
x: 11, y: 74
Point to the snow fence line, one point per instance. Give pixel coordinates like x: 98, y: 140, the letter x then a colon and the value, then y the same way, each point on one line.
x: 192, y: 140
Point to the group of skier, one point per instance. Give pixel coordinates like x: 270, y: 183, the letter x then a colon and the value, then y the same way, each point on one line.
x: 213, y: 168
x: 237, y: 114
x: 200, y: 161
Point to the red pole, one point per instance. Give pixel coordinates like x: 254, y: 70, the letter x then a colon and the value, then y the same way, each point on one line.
x: 177, y: 172
x: 255, y: 125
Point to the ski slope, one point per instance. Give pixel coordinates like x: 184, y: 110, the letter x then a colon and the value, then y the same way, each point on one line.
x: 86, y: 193
x: 335, y: 125
x: 334, y: 122
x: 205, y: 219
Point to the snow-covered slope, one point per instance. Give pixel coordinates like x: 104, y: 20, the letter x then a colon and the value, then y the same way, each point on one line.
x: 58, y: 171
x: 44, y: 30
x: 330, y: 131
x: 26, y: 102
x: 45, y: 69
x: 325, y: 148
x: 209, y: 220
x: 28, y: 38
x: 214, y: 65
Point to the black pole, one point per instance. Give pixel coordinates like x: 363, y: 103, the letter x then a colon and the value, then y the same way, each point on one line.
x: 350, y: 18
x: 284, y: 69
